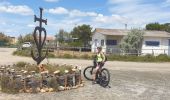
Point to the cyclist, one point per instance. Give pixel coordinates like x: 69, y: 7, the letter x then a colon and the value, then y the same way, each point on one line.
x: 98, y: 62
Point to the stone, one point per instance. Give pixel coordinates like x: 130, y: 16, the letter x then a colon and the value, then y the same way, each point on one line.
x: 51, y: 89
x: 19, y: 76
x: 42, y: 91
x: 28, y: 91
x: 57, y: 71
x: 66, y: 71
x: 74, y: 69
x: 32, y: 71
x: 61, y: 88
x: 81, y: 85
x: 44, y: 72
x: 79, y: 67
x: 29, y: 76
x: 21, y: 91
x: 38, y: 89
x: 25, y: 72
x: 75, y: 87
x: 46, y: 90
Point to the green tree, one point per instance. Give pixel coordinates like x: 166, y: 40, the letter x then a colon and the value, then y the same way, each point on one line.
x: 62, y: 36
x: 4, y: 40
x: 132, y: 42
x: 26, y: 38
x: 158, y: 27
x: 20, y: 39
x: 83, y: 33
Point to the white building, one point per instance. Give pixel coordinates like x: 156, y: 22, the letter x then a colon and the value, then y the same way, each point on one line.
x: 155, y: 42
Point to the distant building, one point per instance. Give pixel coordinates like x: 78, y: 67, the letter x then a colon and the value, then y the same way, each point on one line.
x: 155, y: 42
x: 49, y: 39
x: 13, y: 40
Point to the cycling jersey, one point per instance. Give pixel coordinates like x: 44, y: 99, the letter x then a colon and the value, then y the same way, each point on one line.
x: 100, y: 57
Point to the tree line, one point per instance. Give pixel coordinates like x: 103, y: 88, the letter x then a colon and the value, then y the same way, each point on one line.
x: 4, y: 39
x: 79, y: 36
x: 158, y: 27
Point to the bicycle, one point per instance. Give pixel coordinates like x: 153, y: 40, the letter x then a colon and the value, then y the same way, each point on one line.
x: 102, y: 75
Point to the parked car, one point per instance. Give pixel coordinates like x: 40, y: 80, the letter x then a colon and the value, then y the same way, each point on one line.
x: 26, y: 45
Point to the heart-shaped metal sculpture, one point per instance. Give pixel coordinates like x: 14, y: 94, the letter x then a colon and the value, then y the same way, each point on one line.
x: 39, y: 39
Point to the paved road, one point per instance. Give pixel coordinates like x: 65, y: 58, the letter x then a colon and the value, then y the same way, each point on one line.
x: 129, y: 81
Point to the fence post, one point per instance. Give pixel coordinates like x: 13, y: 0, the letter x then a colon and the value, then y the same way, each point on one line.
x: 73, y: 51
x: 58, y: 50
x: 138, y: 52
x: 164, y: 51
x: 79, y: 49
x: 152, y: 52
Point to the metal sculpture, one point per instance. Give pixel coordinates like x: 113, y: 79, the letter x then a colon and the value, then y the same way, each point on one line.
x: 39, y: 39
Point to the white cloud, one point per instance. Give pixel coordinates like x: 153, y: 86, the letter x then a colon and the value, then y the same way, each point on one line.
x: 71, y: 13
x: 166, y: 3
x: 20, y: 9
x: 31, y: 25
x: 58, y: 10
x: 51, y: 0
x: 110, y: 19
x: 122, y: 1
x: 139, y: 14
x: 78, y: 13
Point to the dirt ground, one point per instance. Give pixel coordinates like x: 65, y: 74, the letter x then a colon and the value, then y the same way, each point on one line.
x: 129, y: 81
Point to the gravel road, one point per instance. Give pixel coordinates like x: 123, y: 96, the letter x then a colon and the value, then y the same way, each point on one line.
x: 129, y: 81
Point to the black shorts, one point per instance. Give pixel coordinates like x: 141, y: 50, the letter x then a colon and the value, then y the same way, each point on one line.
x: 100, y: 64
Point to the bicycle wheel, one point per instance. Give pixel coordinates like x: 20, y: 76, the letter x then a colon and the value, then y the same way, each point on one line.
x: 105, y: 77
x: 88, y: 73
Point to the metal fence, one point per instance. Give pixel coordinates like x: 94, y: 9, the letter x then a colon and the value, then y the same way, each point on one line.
x: 109, y: 50
x: 136, y: 51
x: 116, y: 51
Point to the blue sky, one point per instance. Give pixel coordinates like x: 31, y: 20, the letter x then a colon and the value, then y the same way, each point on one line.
x: 16, y: 16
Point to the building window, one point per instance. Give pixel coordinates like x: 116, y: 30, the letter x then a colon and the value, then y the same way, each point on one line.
x: 102, y: 42
x: 111, y: 42
x: 152, y: 43
x: 95, y: 42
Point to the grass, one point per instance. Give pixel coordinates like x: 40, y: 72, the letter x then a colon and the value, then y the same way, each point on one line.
x: 90, y: 56
x: 8, y: 85
x: 27, y: 53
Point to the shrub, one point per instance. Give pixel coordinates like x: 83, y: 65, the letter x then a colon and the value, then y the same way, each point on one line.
x: 67, y: 56
x: 24, y: 52
x: 53, y: 84
x: 8, y: 85
x: 85, y: 56
x: 51, y: 55
x: 162, y: 57
x: 25, y: 66
x: 21, y: 64
x: 51, y: 68
x: 27, y: 53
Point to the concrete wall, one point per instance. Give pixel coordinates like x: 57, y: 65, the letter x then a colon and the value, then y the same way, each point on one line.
x: 156, y: 50
x: 99, y: 37
x: 113, y: 48
x: 163, y: 48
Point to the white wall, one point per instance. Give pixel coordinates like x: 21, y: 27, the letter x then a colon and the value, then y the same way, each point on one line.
x: 161, y: 49
x: 114, y: 49
x: 99, y: 37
